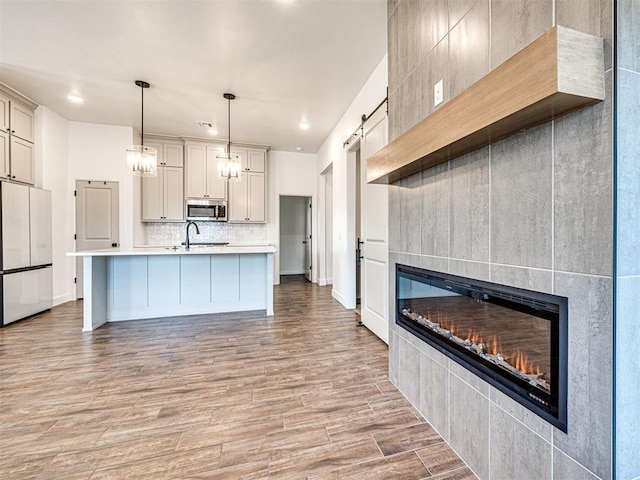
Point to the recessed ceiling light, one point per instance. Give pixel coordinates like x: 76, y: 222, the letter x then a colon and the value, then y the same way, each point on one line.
x: 304, y: 125
x: 298, y: 149
x: 75, y: 98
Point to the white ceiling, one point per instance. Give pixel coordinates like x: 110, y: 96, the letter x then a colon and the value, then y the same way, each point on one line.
x: 286, y: 61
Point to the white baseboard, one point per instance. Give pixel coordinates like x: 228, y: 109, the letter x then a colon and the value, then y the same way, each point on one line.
x: 63, y: 299
x: 323, y: 282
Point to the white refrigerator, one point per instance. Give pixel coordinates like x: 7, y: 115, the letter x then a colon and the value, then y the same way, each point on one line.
x: 26, y: 268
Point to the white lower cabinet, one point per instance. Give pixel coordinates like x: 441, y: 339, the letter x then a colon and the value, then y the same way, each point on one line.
x: 26, y: 293
x: 163, y: 196
x: 247, y: 199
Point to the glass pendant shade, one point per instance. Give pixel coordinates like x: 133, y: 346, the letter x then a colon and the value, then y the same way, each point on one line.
x: 229, y: 167
x: 142, y: 160
x: 228, y: 164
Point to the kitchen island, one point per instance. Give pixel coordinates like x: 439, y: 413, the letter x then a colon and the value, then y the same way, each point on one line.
x: 170, y: 281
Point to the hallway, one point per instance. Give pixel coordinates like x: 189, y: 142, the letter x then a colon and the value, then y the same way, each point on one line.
x: 303, y: 394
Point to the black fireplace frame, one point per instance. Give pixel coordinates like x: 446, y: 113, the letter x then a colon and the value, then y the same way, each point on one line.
x: 557, y: 413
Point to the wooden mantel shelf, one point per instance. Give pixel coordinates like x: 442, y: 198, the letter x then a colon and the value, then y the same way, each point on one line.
x: 561, y: 71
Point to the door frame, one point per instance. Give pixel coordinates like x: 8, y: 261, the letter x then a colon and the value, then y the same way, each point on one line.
x: 78, y: 265
x: 277, y: 260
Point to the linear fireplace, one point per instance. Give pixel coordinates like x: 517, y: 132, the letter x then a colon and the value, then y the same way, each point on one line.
x: 514, y: 339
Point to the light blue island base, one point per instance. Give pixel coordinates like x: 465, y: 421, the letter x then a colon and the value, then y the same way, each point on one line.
x: 151, y: 283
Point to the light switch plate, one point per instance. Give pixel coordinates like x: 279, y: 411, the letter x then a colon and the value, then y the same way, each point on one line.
x: 438, y: 93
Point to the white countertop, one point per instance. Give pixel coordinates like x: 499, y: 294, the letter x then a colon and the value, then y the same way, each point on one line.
x: 194, y: 250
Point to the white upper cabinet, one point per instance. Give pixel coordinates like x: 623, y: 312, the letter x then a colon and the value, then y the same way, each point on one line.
x: 22, y: 120
x: 5, y: 108
x: 173, y: 155
x: 17, y: 128
x: 203, y: 180
x: 163, y: 195
x: 22, y: 161
x: 4, y: 155
x: 251, y: 160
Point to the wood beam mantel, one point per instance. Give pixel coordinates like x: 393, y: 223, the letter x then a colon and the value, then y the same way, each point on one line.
x: 561, y: 71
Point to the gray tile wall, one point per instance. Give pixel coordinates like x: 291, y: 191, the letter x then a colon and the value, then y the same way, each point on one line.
x: 627, y: 295
x: 534, y: 211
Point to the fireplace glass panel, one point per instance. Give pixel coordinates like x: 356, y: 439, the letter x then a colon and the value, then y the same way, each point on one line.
x: 509, y: 336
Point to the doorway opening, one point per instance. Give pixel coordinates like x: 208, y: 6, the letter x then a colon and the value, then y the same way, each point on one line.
x: 295, y: 236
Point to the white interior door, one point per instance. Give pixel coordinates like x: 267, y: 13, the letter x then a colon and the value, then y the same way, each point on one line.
x: 374, y: 270
x: 307, y: 241
x: 97, y: 220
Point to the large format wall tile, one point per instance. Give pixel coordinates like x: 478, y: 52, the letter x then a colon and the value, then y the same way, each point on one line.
x: 527, y: 417
x: 521, y: 223
x: 515, y: 24
x: 628, y: 42
x: 522, y: 277
x: 435, y: 211
x: 395, y: 236
x: 409, y: 214
x: 588, y: 16
x: 434, y: 24
x: 590, y: 365
x: 408, y: 37
x: 458, y: 9
x: 392, y: 55
x: 566, y: 468
x: 467, y: 268
x: 394, y: 348
x: 408, y: 104
x: 438, y: 264
x: 516, y: 451
x: 628, y: 172
x: 391, y: 4
x: 470, y: 206
x: 409, y: 371
x: 469, y: 425
x: 583, y: 189
x: 434, y: 68
x: 434, y: 394
x: 394, y: 106
x: 469, y: 48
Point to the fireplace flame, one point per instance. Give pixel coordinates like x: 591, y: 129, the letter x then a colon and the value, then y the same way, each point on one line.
x: 488, y: 348
x: 524, y: 365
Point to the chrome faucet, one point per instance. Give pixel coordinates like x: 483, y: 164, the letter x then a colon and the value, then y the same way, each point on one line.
x: 186, y: 234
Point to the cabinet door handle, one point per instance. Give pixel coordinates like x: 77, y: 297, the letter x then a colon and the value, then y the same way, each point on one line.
x: 13, y: 131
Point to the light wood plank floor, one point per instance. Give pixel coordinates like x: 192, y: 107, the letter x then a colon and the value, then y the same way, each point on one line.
x: 303, y: 394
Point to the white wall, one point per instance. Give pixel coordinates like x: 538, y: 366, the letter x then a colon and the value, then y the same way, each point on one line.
x: 292, y: 174
x: 52, y: 161
x: 328, y: 222
x: 97, y: 152
x: 332, y: 153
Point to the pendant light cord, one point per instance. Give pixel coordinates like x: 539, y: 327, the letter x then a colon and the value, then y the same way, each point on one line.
x: 229, y: 127
x: 142, y: 118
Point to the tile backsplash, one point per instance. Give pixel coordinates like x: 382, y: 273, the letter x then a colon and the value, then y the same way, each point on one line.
x: 234, y: 233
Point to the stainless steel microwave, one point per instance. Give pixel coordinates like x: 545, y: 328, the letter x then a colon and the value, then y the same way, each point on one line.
x: 205, y: 210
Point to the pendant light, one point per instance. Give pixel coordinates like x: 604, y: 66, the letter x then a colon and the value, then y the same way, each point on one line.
x: 228, y: 165
x: 141, y: 160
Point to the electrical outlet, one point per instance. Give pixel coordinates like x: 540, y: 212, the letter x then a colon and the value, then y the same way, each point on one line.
x: 438, y: 93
